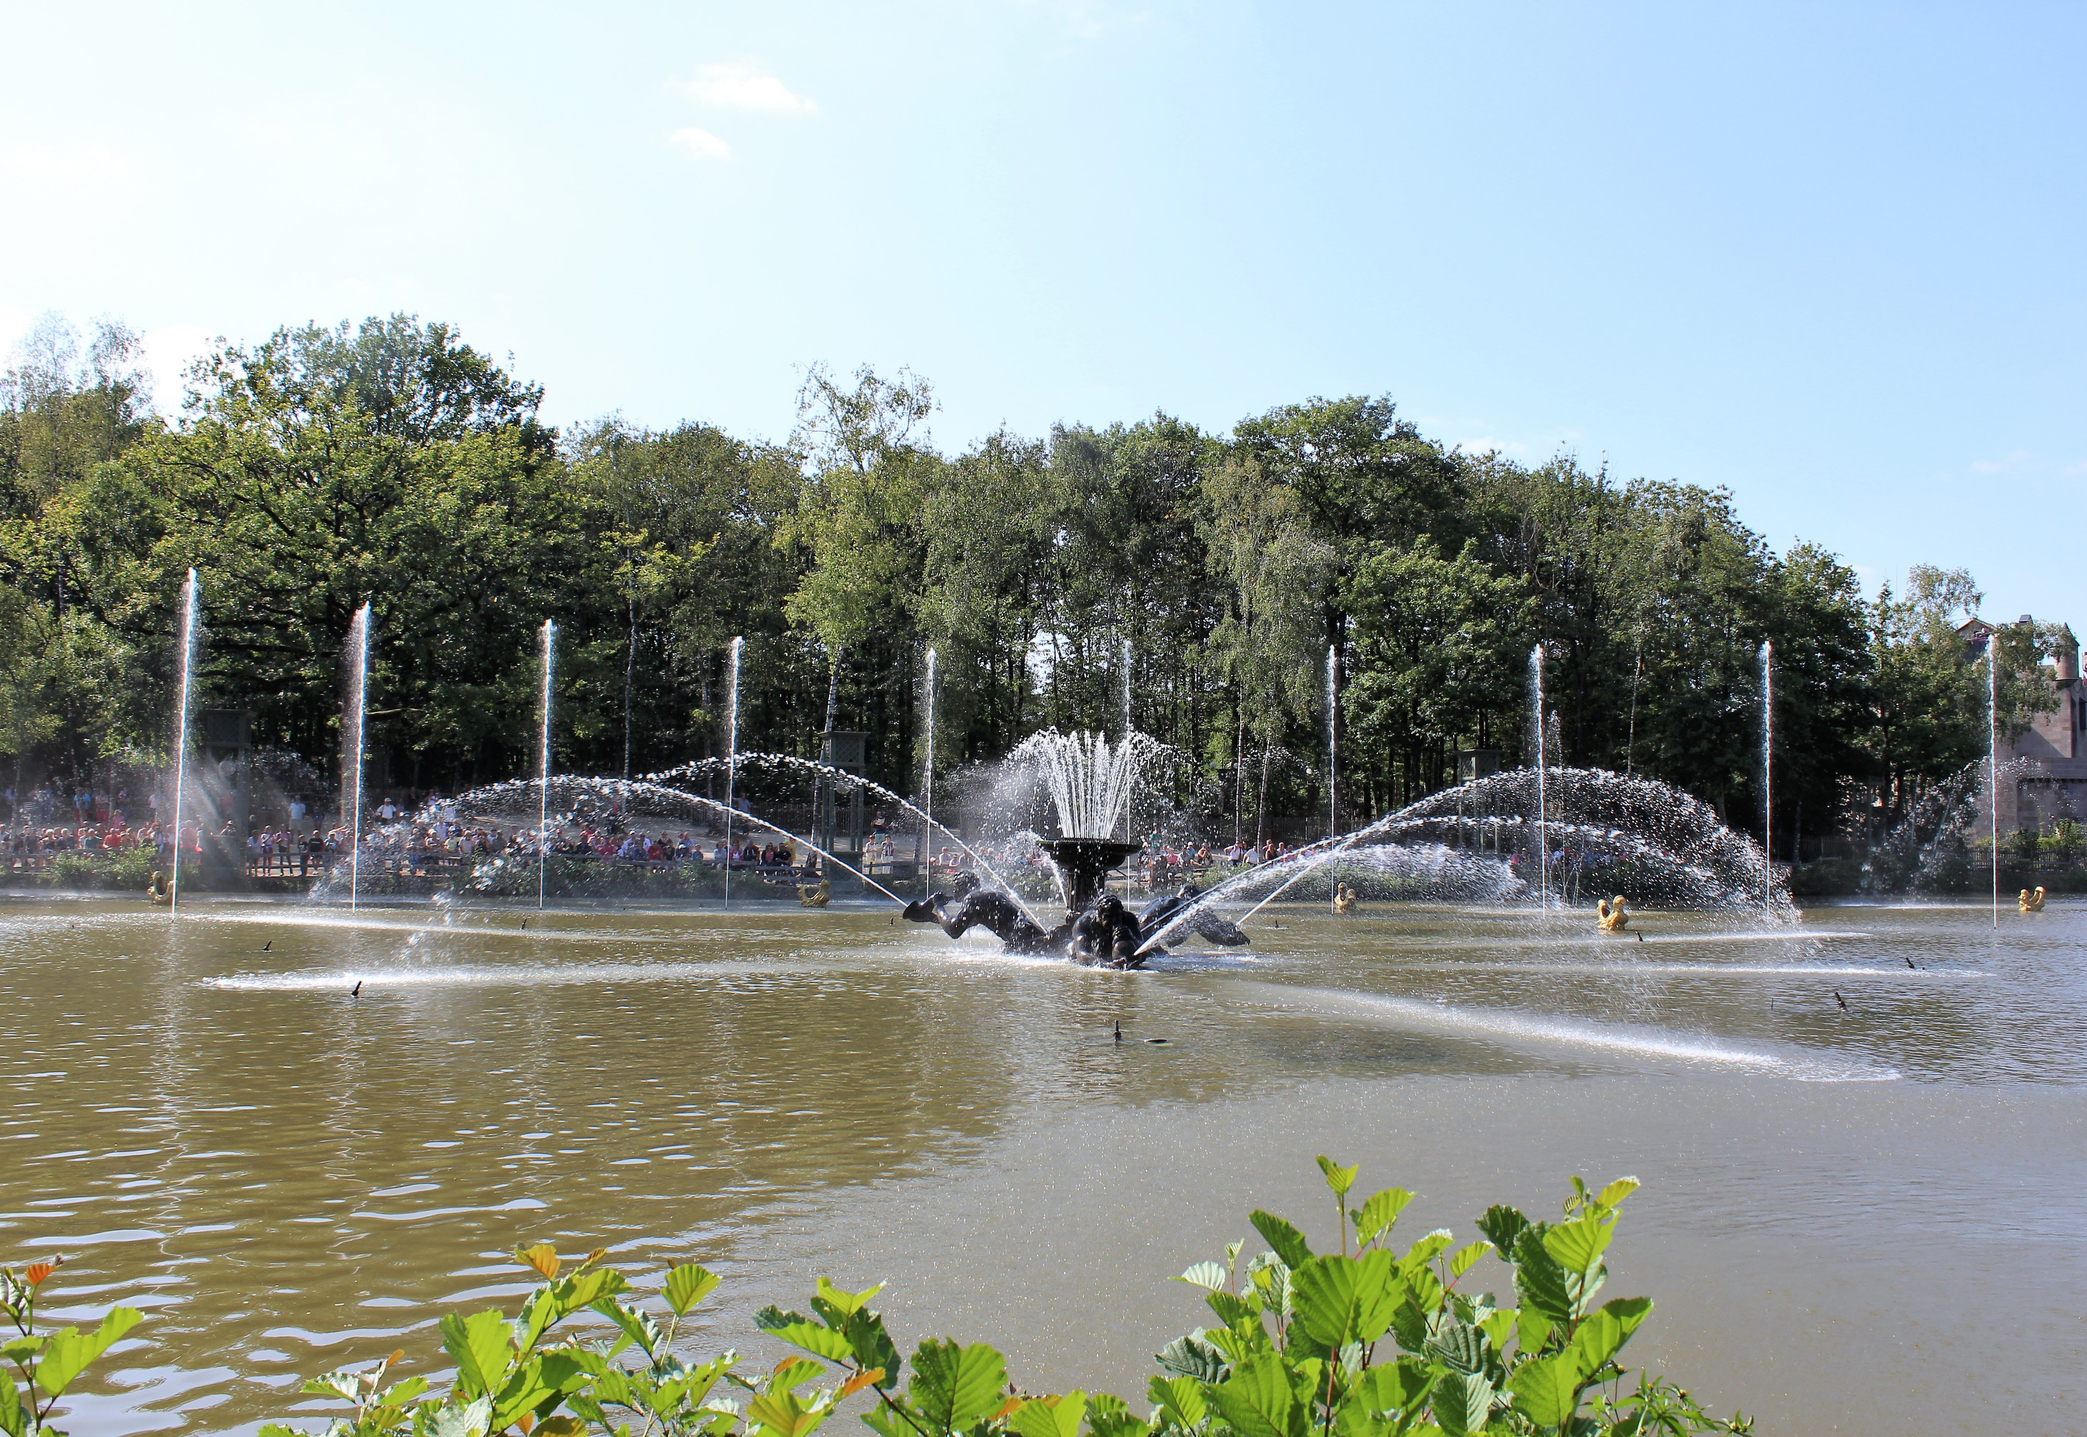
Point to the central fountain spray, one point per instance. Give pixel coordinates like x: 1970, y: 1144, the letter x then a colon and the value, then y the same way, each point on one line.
x: 352, y: 745
x: 731, y: 751
x: 1091, y: 785
x: 543, y: 766
x: 189, y: 607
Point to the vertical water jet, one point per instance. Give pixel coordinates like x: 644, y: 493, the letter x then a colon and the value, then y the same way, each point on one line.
x: 543, y: 766
x: 1543, y: 759
x: 927, y: 786
x: 732, y: 752
x: 1126, y: 726
x: 188, y: 665
x: 352, y: 745
x: 1993, y: 757
x: 1333, y: 811
x: 1767, y: 772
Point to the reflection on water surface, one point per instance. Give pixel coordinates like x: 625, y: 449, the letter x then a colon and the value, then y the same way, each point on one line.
x: 285, y: 1177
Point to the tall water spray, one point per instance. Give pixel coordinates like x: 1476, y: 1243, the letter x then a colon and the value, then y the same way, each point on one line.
x: 1543, y: 759
x: 1333, y: 810
x: 1125, y: 686
x: 189, y: 608
x: 1125, y: 740
x: 352, y: 745
x: 543, y: 765
x: 1767, y: 772
x: 927, y: 781
x: 1993, y: 757
x: 731, y: 752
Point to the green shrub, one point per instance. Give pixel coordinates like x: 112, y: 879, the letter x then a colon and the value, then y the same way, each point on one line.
x: 1365, y: 1341
x: 2063, y: 844
x: 47, y: 1362
x: 77, y: 870
x: 2023, y: 844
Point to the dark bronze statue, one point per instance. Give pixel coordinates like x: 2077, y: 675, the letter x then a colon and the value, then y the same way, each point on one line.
x: 1105, y: 935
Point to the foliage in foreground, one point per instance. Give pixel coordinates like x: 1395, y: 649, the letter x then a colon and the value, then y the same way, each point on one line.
x: 1365, y: 1341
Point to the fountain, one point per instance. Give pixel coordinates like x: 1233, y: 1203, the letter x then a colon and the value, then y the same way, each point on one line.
x: 927, y: 782
x: 1543, y: 761
x: 575, y: 793
x: 1645, y: 838
x: 352, y: 745
x: 189, y: 624
x: 1767, y: 764
x: 1333, y: 809
x: 543, y: 768
x: 1090, y: 784
x: 1993, y: 758
x: 731, y: 752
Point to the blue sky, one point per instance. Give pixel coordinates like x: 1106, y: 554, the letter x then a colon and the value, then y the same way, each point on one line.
x: 1828, y: 257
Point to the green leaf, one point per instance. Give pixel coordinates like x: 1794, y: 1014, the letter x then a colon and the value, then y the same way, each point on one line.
x: 1502, y: 1227
x: 1496, y: 1326
x: 1338, y: 1178
x: 470, y: 1420
x: 1257, y: 1400
x: 12, y: 1419
x: 786, y: 1414
x: 1532, y: 1330
x: 1578, y: 1245
x: 688, y: 1285
x: 1410, y: 1326
x: 872, y: 1345
x: 66, y: 1352
x: 1426, y: 1250
x: 1232, y: 1311
x: 1630, y: 1311
x: 1193, y: 1358
x: 955, y: 1386
x: 1459, y: 1347
x: 1547, y: 1391
x: 1376, y: 1216
x: 1539, y: 1279
x: 1207, y: 1275
x: 1462, y: 1261
x: 1180, y: 1398
x: 1050, y: 1416
x: 1109, y: 1416
x: 1616, y: 1192
x: 1396, y: 1386
x: 1339, y: 1300
x: 792, y: 1373
x: 813, y: 1337
x: 1601, y: 1334
x: 637, y: 1325
x: 1460, y: 1403
x: 1288, y: 1242
x: 837, y: 1304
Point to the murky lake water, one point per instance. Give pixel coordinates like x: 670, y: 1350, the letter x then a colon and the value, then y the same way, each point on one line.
x: 1859, y: 1221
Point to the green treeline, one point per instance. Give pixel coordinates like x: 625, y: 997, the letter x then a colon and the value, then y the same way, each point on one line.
x: 392, y: 463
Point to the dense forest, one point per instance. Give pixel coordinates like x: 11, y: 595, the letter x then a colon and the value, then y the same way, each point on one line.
x: 391, y: 463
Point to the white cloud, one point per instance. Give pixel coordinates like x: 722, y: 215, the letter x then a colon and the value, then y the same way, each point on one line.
x: 66, y: 165
x: 2013, y: 462
x: 743, y: 87
x: 700, y: 143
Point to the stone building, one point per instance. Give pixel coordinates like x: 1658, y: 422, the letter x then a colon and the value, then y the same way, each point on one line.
x: 2055, y: 743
